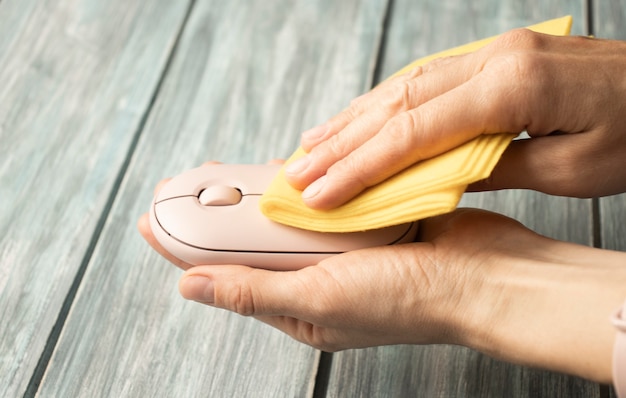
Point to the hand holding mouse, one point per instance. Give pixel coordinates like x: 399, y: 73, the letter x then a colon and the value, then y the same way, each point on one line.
x: 477, y: 279
x: 573, y: 86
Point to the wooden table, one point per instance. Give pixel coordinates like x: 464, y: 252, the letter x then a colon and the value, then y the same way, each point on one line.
x: 101, y: 99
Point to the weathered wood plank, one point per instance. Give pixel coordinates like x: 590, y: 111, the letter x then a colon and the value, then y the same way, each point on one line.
x: 609, y: 19
x: 247, y: 77
x: 612, y: 222
x: 417, y: 29
x: 76, y: 77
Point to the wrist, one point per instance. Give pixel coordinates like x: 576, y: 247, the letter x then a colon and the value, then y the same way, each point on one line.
x: 551, y: 310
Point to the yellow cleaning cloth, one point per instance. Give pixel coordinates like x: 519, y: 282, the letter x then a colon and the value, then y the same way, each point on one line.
x: 427, y: 188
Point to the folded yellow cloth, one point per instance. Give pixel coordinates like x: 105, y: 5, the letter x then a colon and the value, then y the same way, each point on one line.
x: 427, y: 188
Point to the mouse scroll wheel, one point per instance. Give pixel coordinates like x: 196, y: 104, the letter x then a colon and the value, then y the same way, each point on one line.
x: 220, y: 195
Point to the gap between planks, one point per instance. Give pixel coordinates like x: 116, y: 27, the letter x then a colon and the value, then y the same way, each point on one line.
x: 55, y: 333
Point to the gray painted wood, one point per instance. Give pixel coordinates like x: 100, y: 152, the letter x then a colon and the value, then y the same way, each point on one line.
x: 247, y: 77
x: 417, y: 29
x: 613, y: 222
x: 76, y: 77
x: 609, y: 19
x: 426, y: 27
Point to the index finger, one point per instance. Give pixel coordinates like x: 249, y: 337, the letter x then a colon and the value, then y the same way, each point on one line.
x: 475, y: 107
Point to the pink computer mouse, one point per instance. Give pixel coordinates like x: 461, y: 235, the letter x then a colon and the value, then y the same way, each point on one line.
x: 210, y: 215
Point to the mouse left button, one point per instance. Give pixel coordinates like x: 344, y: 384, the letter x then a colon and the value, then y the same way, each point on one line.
x: 220, y: 195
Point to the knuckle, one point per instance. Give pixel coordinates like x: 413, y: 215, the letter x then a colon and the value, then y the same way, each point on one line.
x: 520, y: 39
x: 337, y: 146
x: 399, y: 96
x: 317, y: 337
x: 400, y: 124
x: 352, y: 111
x: 439, y: 62
x: 356, y: 103
x: 346, y: 116
x: 320, y: 339
x: 416, y: 72
x: 400, y: 129
x: 521, y: 56
x: 519, y: 67
x: 516, y: 77
x: 241, y: 300
x: 527, y: 65
x: 351, y: 173
x: 412, y: 137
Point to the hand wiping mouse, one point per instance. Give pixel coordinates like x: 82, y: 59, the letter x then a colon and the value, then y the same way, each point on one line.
x: 427, y: 188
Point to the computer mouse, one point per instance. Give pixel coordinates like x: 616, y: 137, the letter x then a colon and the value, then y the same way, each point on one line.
x: 210, y: 215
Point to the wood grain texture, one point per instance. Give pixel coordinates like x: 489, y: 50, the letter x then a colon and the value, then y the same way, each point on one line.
x: 426, y: 27
x: 73, y: 90
x: 247, y: 77
x: 417, y: 29
x: 78, y: 77
x: 613, y: 222
x: 609, y: 19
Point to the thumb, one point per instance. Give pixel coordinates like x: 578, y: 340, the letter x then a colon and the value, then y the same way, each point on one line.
x: 554, y: 164
x: 244, y: 290
x: 284, y: 300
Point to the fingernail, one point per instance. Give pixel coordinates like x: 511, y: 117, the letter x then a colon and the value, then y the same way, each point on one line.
x: 198, y: 288
x: 298, y: 166
x: 315, y: 132
x: 314, y: 188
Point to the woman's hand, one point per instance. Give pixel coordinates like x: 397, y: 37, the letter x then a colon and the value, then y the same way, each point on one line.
x: 477, y: 279
x: 573, y: 86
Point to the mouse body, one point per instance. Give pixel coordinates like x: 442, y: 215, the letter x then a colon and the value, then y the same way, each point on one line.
x: 210, y: 215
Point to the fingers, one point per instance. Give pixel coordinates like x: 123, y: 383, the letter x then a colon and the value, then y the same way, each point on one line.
x: 297, y: 303
x: 359, y: 299
x: 160, y: 185
x: 503, y: 87
x: 293, y: 302
x: 352, y: 292
x: 432, y: 128
x: 369, y: 114
x: 358, y: 107
x: 247, y: 291
x: 144, y: 229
